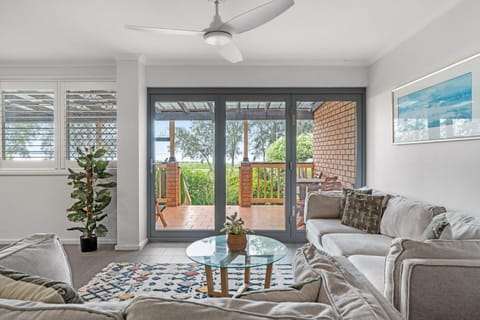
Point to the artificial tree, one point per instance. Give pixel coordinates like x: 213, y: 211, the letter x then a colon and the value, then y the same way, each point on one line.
x: 92, y: 195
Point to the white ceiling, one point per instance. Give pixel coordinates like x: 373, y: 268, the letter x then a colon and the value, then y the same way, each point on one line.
x: 312, y: 32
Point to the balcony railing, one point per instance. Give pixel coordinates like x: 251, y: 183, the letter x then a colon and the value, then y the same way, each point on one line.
x: 266, y: 182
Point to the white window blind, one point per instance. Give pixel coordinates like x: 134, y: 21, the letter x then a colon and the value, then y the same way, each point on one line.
x: 28, y: 126
x: 91, y: 120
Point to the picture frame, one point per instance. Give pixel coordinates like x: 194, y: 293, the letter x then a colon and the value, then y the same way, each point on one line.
x: 442, y: 106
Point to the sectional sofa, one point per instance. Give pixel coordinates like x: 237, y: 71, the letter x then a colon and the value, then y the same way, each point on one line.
x: 325, y: 290
x: 422, y: 278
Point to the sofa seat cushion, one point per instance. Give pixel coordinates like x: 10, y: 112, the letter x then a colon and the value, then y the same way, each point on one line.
x: 41, y: 255
x: 372, y: 267
x: 33, y: 310
x: 316, y: 228
x: 349, y: 244
x: 147, y: 308
x: 344, y: 288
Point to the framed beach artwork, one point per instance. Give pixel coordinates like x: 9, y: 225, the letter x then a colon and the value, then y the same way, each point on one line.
x: 442, y: 106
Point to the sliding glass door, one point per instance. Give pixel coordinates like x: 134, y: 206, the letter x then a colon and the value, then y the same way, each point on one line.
x: 255, y: 155
x: 257, y: 152
x: 182, y: 166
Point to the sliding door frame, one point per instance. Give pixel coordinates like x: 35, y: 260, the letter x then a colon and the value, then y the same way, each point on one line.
x: 220, y: 96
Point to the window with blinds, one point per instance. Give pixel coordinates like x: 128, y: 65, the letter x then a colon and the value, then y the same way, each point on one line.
x: 91, y: 120
x: 28, y: 128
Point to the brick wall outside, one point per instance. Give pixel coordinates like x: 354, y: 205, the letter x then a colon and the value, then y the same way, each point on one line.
x: 334, y: 141
x: 173, y: 183
x: 245, y: 196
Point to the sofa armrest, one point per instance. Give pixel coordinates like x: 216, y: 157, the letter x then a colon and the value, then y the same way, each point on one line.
x: 323, y: 205
x: 440, y: 289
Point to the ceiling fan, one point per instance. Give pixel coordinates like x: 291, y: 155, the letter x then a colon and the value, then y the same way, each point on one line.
x: 220, y: 34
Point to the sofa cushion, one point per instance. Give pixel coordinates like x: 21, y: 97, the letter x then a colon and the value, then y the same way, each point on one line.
x: 461, y: 226
x: 402, y: 249
x: 363, y: 212
x: 349, y: 293
x: 372, y: 267
x: 349, y: 191
x: 407, y: 218
x: 316, y: 228
x: 303, y: 291
x: 21, y: 286
x: 40, y: 254
x: 323, y: 204
x: 147, y: 308
x: 349, y: 244
x: 30, y: 310
x: 435, y: 227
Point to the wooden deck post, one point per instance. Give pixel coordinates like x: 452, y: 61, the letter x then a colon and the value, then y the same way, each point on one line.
x: 245, y: 141
x: 172, y: 141
x: 245, y: 196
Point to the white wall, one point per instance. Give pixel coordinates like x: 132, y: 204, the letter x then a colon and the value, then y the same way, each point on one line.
x: 132, y: 154
x: 256, y: 76
x: 446, y: 173
x: 37, y: 202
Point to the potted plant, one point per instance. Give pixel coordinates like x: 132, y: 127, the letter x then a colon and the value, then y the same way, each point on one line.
x: 236, y: 232
x: 92, y: 195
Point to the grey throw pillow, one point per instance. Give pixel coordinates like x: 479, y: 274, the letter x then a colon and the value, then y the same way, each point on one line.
x: 363, y: 212
x: 436, y: 227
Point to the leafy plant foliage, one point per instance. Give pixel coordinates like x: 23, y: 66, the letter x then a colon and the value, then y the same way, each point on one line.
x: 234, y: 225
x: 90, y: 191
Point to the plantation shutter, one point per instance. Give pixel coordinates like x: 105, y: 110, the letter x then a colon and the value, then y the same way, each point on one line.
x: 91, y: 120
x: 28, y: 128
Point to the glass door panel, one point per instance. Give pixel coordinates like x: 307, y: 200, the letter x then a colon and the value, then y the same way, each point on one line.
x: 255, y: 157
x: 184, y: 149
x: 325, y: 148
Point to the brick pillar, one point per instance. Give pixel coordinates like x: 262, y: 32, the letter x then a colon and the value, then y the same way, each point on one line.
x: 173, y: 184
x: 245, y: 196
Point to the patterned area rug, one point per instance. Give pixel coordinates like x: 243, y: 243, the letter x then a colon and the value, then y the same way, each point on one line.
x: 124, y: 281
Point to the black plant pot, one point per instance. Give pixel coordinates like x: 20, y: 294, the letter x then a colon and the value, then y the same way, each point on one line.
x: 88, y: 244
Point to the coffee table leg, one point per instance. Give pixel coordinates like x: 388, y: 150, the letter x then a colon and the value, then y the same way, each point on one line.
x: 209, y: 275
x: 224, y: 280
x: 246, y: 278
x: 246, y: 281
x: 268, y: 276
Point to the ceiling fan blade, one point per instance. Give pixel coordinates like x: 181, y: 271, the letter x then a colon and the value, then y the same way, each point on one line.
x: 230, y: 52
x: 166, y: 31
x: 257, y: 16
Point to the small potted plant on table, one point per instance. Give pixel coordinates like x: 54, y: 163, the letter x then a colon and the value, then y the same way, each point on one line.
x: 236, y: 232
x: 92, y: 195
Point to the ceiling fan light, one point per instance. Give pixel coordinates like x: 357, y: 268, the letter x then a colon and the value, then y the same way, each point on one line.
x: 217, y: 38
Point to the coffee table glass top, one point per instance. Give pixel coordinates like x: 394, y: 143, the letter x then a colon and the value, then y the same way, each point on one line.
x: 213, y: 251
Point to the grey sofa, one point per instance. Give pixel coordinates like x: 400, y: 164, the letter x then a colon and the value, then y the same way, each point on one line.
x: 325, y: 290
x: 423, y: 279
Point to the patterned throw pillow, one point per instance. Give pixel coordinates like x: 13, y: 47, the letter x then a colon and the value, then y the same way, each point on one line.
x: 363, y: 212
x: 20, y: 286
x: 435, y: 228
x: 349, y: 191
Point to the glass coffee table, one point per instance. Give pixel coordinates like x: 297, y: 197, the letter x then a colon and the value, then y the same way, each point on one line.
x: 213, y: 252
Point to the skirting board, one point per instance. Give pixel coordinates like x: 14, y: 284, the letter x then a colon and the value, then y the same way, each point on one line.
x: 131, y: 247
x: 65, y: 241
